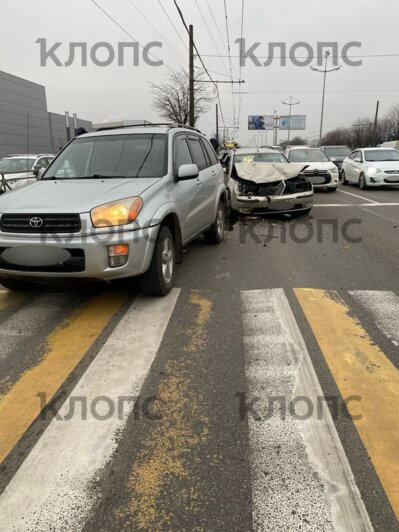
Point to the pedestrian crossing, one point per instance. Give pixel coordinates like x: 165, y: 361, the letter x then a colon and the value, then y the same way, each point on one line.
x: 300, y: 473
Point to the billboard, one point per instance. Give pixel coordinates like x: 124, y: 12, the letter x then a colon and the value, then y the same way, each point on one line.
x: 298, y: 122
x: 261, y: 122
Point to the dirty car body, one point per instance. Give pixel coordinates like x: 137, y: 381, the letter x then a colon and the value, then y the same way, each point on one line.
x: 265, y: 182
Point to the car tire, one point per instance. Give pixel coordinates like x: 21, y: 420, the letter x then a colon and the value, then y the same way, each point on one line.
x: 329, y: 189
x: 215, y: 234
x: 343, y: 177
x: 362, y: 182
x: 15, y: 285
x: 159, y: 279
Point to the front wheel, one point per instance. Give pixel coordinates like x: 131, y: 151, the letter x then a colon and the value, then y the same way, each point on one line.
x: 330, y: 189
x: 159, y: 279
x: 15, y: 285
x: 215, y: 235
x: 343, y: 177
x: 362, y: 182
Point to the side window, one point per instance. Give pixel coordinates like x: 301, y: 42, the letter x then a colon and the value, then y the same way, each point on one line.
x: 360, y: 155
x: 210, y: 151
x: 182, y: 152
x: 198, y: 153
x: 43, y: 162
x: 353, y: 155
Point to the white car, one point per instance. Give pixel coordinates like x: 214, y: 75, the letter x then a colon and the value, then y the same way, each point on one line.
x: 371, y: 167
x: 322, y: 172
x: 18, y: 170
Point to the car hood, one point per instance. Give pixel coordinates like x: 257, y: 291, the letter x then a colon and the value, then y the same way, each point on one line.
x: 71, y: 195
x: 317, y: 166
x: 383, y: 165
x: 267, y: 172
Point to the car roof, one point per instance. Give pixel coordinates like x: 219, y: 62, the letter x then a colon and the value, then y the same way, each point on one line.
x: 150, y: 129
x: 378, y: 148
x: 28, y: 156
x: 302, y: 148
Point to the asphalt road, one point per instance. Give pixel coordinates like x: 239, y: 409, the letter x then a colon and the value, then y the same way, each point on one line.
x: 119, y: 412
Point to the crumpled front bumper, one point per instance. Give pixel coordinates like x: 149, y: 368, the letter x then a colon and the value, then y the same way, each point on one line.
x: 272, y: 204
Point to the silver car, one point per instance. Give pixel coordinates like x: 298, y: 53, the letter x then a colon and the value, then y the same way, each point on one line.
x: 262, y: 181
x: 19, y: 170
x: 115, y: 204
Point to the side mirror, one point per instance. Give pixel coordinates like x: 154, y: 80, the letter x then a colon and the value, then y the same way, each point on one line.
x: 357, y: 160
x: 36, y: 170
x: 187, y: 171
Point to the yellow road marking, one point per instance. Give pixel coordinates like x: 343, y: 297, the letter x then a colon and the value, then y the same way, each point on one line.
x: 10, y: 299
x: 360, y: 368
x: 66, y: 347
x: 183, y: 426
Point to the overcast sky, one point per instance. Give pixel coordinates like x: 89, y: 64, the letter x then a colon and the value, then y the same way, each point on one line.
x: 101, y: 93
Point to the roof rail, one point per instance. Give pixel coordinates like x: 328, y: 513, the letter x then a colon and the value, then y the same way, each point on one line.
x: 170, y: 125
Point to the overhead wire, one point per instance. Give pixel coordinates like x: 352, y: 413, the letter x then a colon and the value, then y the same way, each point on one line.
x: 230, y: 64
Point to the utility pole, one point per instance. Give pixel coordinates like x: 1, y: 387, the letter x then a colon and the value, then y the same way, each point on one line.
x: 376, y: 121
x: 325, y: 72
x: 217, y: 122
x: 191, y: 76
x: 291, y: 102
x: 68, y: 126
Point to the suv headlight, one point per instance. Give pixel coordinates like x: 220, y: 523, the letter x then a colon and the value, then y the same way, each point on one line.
x: 117, y: 213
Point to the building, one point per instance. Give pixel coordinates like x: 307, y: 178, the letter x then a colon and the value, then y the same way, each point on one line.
x: 26, y: 125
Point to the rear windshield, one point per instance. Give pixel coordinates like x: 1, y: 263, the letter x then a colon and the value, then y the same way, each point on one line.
x: 260, y: 157
x: 308, y: 156
x: 113, y: 156
x: 337, y: 151
x: 15, y: 166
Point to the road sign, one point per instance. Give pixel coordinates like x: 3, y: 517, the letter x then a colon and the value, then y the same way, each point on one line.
x: 298, y: 122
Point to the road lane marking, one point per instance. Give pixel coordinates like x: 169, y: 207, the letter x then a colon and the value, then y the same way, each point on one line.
x: 296, y: 461
x: 356, y: 196
x: 360, y: 368
x: 384, y: 307
x: 163, y: 462
x: 65, y: 349
x: 52, y: 488
x: 356, y: 205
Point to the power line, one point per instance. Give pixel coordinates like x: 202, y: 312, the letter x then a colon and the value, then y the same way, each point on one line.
x: 154, y: 28
x: 210, y: 34
x: 367, y: 56
x: 173, y: 26
x: 355, y: 91
x: 240, y: 71
x: 229, y: 51
x: 200, y: 58
x: 110, y: 17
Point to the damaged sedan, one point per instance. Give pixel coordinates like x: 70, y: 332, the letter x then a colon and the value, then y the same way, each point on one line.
x: 263, y: 182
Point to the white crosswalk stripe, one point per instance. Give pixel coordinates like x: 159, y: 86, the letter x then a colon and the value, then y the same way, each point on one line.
x: 384, y: 307
x: 297, y: 466
x: 50, y: 490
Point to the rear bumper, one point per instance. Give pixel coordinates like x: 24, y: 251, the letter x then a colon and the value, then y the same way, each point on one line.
x: 95, y: 250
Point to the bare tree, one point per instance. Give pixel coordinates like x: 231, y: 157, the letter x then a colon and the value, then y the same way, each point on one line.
x: 171, y: 97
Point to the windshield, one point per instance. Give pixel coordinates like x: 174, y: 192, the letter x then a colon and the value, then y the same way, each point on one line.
x: 308, y: 156
x: 337, y: 151
x: 112, y: 156
x: 260, y: 158
x: 16, y: 166
x: 381, y: 155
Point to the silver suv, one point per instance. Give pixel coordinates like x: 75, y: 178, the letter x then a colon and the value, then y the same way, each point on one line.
x: 115, y: 203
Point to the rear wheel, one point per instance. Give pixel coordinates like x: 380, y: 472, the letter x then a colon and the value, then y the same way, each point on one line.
x: 158, y: 281
x: 343, y: 177
x: 362, y: 182
x: 215, y: 235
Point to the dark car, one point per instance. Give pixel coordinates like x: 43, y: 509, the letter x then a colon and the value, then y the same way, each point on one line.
x: 336, y: 154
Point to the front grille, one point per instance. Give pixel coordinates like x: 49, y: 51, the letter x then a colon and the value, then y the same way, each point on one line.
x: 395, y: 172
x: 318, y: 177
x: 51, y: 223
x: 391, y: 180
x: 76, y: 264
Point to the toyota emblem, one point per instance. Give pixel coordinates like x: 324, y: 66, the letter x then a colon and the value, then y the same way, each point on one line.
x: 36, y: 222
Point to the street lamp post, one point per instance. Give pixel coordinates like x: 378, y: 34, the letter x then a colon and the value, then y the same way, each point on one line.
x: 291, y: 102
x: 325, y: 72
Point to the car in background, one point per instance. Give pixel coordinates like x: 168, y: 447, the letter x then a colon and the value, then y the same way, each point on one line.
x: 19, y: 170
x: 322, y: 172
x: 371, y: 167
x: 262, y: 181
x: 336, y: 154
x: 114, y: 204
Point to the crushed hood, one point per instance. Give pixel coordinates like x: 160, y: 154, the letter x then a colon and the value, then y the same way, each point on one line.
x: 260, y: 173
